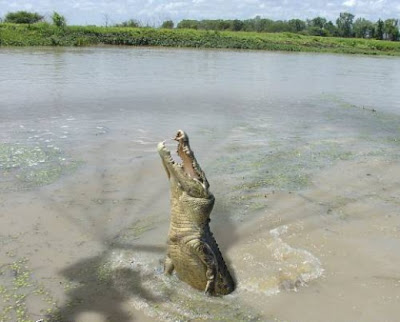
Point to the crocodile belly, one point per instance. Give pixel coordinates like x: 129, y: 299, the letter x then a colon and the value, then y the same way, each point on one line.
x: 188, y: 266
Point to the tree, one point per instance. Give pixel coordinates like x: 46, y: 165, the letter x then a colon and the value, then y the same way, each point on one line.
x: 237, y: 25
x: 391, y: 29
x: 316, y: 31
x: 106, y: 19
x: 345, y: 24
x: 258, y: 24
x: 277, y: 26
x: 58, y: 20
x: 363, y: 28
x: 296, y: 25
x: 188, y: 24
x: 223, y: 24
x: 318, y: 22
x: 331, y: 29
x: 168, y: 24
x: 23, y: 17
x: 316, y: 27
x: 379, y: 29
x: 129, y: 23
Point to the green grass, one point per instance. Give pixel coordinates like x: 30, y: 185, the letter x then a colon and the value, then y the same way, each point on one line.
x: 43, y: 34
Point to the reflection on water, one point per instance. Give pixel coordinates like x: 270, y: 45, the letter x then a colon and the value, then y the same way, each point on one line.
x: 301, y: 151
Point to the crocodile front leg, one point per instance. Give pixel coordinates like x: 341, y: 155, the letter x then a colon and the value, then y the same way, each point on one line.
x: 168, y: 266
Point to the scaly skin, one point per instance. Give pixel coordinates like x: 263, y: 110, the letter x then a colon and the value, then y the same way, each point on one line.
x: 192, y: 250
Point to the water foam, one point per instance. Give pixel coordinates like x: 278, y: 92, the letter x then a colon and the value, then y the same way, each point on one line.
x: 272, y: 265
x: 166, y: 297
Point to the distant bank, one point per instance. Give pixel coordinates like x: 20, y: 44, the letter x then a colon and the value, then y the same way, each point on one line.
x: 43, y: 34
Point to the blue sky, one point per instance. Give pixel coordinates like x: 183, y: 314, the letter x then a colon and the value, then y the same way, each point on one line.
x: 153, y: 12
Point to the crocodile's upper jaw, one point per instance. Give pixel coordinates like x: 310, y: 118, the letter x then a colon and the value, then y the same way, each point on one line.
x: 187, y: 173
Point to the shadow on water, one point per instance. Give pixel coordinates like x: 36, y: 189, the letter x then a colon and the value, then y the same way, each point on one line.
x: 102, y: 289
x: 99, y: 296
x: 94, y: 285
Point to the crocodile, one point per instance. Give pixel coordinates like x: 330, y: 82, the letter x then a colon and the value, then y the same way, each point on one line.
x: 192, y: 250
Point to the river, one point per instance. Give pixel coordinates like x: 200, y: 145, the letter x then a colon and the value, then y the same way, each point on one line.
x: 301, y: 152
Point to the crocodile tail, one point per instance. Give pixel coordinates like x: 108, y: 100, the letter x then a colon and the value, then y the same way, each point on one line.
x: 224, y: 282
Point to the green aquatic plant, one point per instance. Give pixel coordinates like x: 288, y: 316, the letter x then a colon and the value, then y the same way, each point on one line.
x: 282, y: 168
x: 17, y: 288
x: 25, y: 167
x: 14, y: 156
x: 254, y: 172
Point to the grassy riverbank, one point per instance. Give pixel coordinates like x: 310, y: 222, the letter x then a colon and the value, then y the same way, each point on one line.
x: 43, y: 34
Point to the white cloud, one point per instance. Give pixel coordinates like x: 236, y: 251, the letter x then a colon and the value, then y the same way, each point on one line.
x: 350, y: 3
x: 28, y: 6
x: 175, y: 5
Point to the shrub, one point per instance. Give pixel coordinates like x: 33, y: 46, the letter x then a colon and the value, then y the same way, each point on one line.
x: 58, y: 20
x: 23, y: 17
x: 168, y: 24
x: 129, y: 23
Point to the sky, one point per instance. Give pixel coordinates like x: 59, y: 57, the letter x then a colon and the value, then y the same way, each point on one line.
x: 154, y: 12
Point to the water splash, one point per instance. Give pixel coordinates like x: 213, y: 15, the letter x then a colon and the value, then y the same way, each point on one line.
x: 166, y: 297
x: 275, y: 265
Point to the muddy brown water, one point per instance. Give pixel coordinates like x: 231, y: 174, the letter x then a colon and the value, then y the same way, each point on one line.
x: 301, y: 151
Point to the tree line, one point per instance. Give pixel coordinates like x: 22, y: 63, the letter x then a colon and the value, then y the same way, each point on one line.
x: 344, y: 26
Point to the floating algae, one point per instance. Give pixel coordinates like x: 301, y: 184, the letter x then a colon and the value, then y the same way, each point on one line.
x: 259, y: 159
x: 18, y: 288
x: 253, y: 173
x: 272, y: 161
x: 24, y: 167
x: 284, y: 169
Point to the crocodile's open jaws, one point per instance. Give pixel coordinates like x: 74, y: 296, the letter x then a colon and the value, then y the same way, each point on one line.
x: 187, y: 173
x: 192, y: 250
